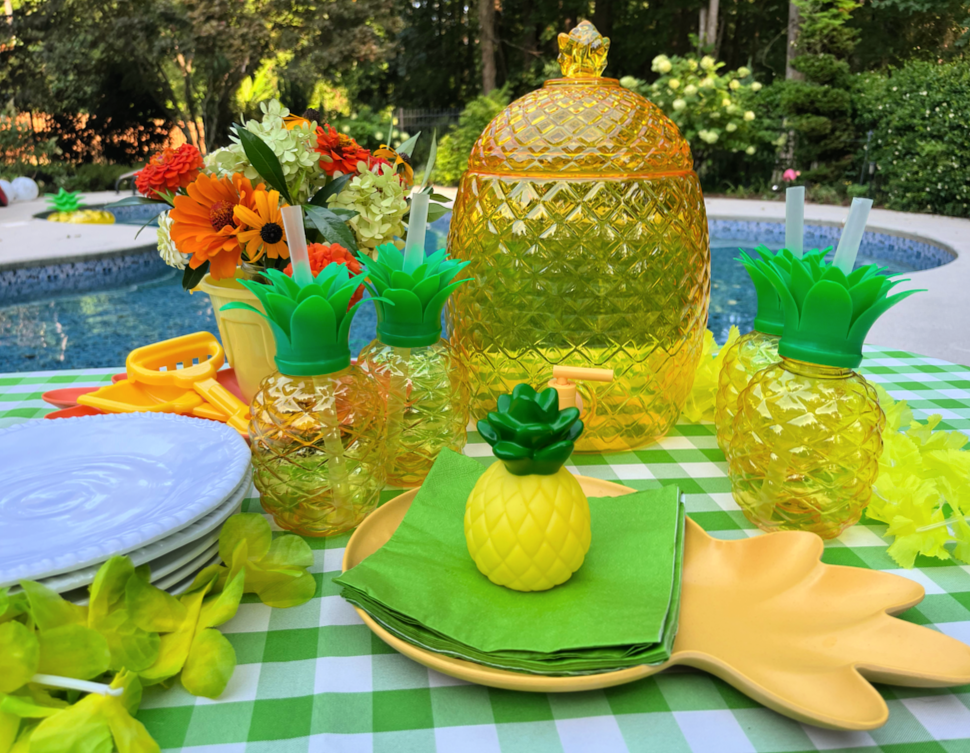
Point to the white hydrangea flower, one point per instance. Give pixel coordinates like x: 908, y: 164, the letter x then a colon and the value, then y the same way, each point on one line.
x: 750, y: 150
x: 627, y: 82
x: 293, y: 147
x: 744, y: 71
x: 749, y: 116
x: 166, y: 246
x: 661, y: 64
x: 734, y: 85
x: 756, y: 87
x: 679, y: 104
x: 731, y: 127
x: 708, y: 63
x: 690, y: 90
x: 674, y: 83
x: 376, y: 194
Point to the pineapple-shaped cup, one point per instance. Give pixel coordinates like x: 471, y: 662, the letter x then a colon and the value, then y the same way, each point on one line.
x: 758, y: 348
x: 807, y: 434
x: 527, y: 519
x: 418, y: 374
x: 317, y: 427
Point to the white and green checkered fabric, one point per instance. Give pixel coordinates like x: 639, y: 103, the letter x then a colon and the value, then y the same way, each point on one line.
x: 314, y: 678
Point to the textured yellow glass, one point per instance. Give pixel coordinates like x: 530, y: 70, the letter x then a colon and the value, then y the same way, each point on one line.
x: 318, y: 450
x: 585, y: 227
x: 749, y: 355
x: 426, y: 391
x: 806, y: 447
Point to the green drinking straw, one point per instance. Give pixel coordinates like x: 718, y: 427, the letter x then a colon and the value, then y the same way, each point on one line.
x: 296, y: 240
x: 851, y: 239
x: 795, y: 220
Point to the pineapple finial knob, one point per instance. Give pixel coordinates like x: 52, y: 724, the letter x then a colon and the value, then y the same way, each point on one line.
x: 582, y: 52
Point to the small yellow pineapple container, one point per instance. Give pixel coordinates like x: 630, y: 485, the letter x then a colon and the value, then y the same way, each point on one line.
x: 585, y: 228
x: 419, y: 376
x: 318, y: 423
x: 527, y: 519
x: 807, y: 434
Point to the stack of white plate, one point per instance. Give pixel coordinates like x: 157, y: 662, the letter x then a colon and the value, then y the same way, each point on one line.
x: 155, y: 487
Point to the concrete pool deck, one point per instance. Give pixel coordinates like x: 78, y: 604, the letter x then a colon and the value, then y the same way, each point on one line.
x: 935, y: 324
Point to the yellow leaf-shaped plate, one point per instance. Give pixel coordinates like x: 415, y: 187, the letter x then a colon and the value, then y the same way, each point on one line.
x: 763, y: 614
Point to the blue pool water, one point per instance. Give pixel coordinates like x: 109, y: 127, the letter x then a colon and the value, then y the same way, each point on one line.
x: 99, y: 329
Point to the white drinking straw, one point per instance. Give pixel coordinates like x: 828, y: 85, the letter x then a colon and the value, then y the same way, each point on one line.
x: 795, y: 220
x: 69, y: 683
x: 417, y: 225
x: 296, y: 240
x: 851, y: 238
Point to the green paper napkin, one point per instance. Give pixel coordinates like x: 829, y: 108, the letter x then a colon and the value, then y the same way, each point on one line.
x: 619, y: 609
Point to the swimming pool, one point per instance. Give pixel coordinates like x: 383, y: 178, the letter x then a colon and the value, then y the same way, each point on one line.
x: 99, y: 328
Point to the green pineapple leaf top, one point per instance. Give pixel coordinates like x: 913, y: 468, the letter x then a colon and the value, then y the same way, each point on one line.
x: 770, y: 318
x: 311, y: 324
x: 828, y: 313
x: 63, y: 201
x: 529, y: 433
x: 410, y: 293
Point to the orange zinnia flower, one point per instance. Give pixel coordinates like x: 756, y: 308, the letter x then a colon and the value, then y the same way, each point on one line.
x: 203, y: 223
x: 322, y: 254
x: 169, y: 170
x: 261, y: 227
x: 338, y: 151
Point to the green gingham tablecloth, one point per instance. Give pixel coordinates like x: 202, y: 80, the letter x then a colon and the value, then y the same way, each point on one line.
x: 314, y: 678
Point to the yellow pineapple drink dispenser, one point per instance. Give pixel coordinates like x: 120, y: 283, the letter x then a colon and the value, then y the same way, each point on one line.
x: 585, y: 229
x: 807, y: 434
x: 318, y: 423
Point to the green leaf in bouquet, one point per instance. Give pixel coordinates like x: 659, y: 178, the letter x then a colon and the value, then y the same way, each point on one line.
x: 331, y: 227
x: 77, y: 729
x: 49, y: 609
x: 152, y: 609
x: 264, y: 161
x: 332, y: 188
x: 426, y: 186
x: 26, y: 707
x: 209, y: 665
x: 436, y: 211
x: 19, y: 655
x: 73, y: 651
x: 192, y: 277
x: 408, y: 146
x: 439, y: 197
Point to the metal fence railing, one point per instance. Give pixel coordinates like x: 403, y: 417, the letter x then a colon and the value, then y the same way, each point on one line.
x: 412, y: 121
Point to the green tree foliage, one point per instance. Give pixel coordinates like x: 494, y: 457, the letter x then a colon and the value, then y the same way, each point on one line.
x: 456, y: 146
x: 921, y: 144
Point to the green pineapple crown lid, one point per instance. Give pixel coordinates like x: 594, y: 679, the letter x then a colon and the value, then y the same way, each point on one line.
x: 310, y: 323
x: 412, y: 292
x: 64, y: 201
x: 529, y: 433
x: 770, y: 318
x: 827, y: 312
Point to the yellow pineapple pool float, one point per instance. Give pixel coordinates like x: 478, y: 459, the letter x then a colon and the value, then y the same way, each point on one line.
x: 527, y: 519
x: 808, y: 431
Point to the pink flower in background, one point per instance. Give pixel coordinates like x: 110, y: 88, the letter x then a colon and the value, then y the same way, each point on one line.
x: 790, y: 175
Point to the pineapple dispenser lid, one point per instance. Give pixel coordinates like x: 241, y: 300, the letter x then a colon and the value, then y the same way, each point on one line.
x: 581, y: 124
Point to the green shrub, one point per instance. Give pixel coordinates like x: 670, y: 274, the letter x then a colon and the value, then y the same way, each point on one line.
x: 22, y: 152
x: 455, y: 146
x: 370, y: 128
x: 713, y: 110
x: 921, y: 142
x: 92, y: 176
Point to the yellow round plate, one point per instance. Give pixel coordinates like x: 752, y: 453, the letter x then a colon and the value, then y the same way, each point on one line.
x: 764, y: 614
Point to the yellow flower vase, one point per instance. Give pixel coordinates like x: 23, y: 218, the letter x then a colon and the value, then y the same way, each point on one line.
x: 246, y: 336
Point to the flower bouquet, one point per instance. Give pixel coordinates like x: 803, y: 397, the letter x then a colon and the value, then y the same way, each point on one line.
x: 225, y: 224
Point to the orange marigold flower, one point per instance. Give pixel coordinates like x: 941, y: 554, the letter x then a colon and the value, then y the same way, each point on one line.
x: 322, y: 254
x: 338, y: 151
x: 169, y: 170
x: 261, y: 227
x: 203, y: 222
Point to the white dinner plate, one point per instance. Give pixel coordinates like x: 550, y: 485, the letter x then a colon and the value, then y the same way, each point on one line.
x: 79, y: 490
x: 165, y: 554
